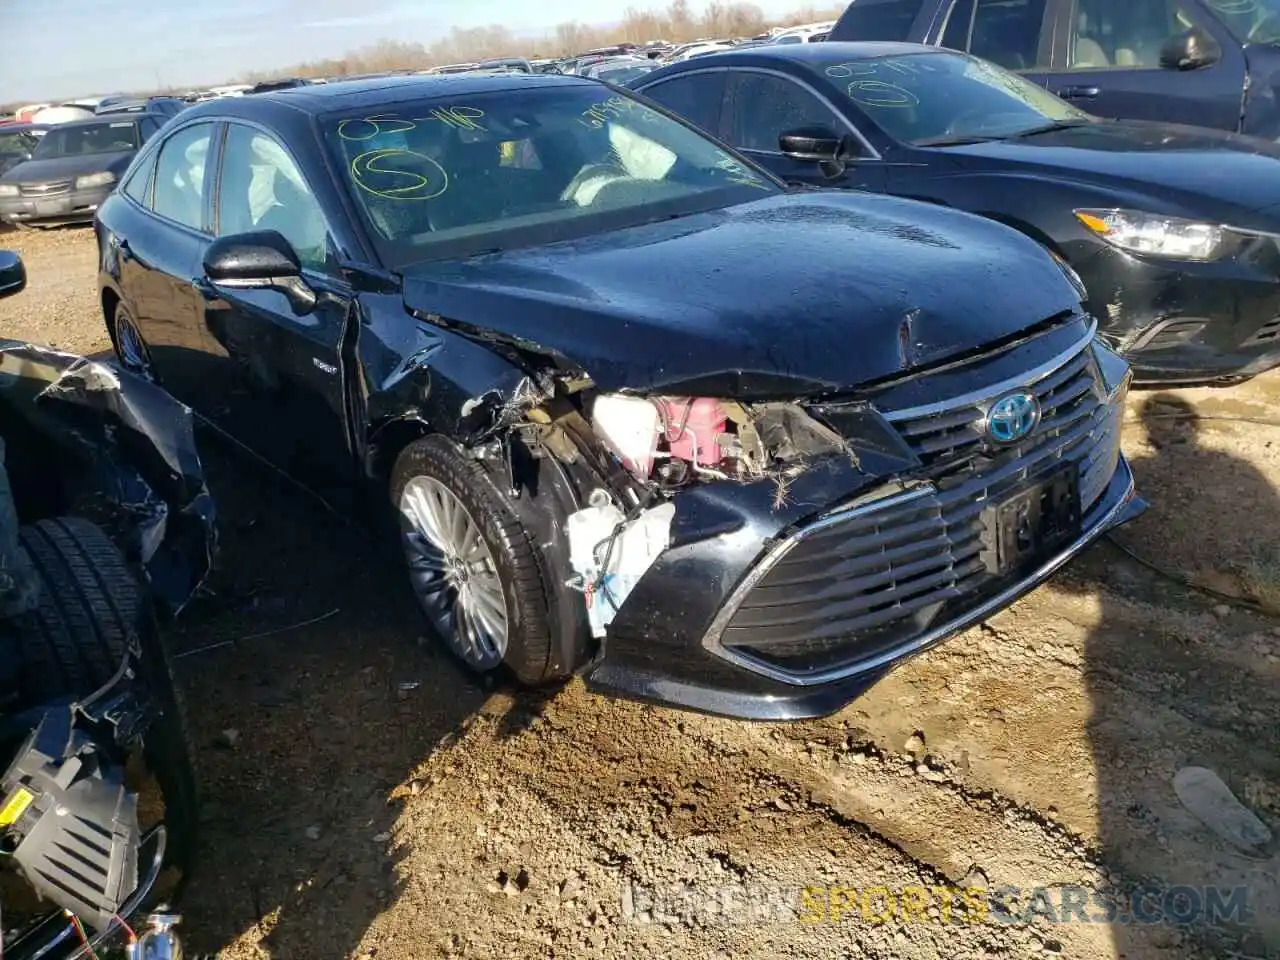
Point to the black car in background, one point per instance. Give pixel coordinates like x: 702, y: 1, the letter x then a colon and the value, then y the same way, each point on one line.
x: 72, y: 169
x: 1212, y: 63
x: 17, y: 142
x: 637, y: 409
x: 157, y: 106
x: 1171, y: 229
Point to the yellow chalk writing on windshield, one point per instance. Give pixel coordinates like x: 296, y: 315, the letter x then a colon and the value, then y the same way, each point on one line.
x: 375, y: 166
x: 460, y: 118
x: 367, y: 128
x: 877, y: 93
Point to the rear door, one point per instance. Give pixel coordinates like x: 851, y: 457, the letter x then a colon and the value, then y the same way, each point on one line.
x: 884, y: 20
x: 1107, y: 61
x: 763, y: 104
x: 1015, y: 34
x: 159, y: 249
x: 280, y: 372
x: 696, y: 95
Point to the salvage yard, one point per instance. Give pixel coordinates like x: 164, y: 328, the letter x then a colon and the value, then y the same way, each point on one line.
x: 363, y: 796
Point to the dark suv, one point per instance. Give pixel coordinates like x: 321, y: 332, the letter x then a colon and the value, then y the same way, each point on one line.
x: 1211, y: 63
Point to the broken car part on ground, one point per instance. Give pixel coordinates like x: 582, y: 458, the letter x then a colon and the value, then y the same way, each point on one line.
x: 86, y: 691
x: 640, y: 411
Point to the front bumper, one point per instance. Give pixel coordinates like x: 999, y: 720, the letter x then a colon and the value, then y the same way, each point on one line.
x: 1180, y: 322
x: 708, y: 683
x: 784, y: 609
x: 75, y: 206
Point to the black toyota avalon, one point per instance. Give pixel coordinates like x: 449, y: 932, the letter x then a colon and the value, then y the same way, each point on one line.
x: 638, y: 410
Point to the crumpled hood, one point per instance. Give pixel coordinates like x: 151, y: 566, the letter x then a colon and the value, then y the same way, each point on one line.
x: 1218, y: 174
x: 788, y: 296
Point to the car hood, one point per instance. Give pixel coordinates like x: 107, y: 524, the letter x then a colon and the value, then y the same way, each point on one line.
x: 1186, y: 165
x: 793, y: 295
x: 60, y: 168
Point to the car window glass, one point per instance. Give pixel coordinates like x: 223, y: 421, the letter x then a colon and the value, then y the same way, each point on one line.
x: 262, y: 189
x: 764, y: 106
x: 179, y: 189
x: 136, y: 186
x: 1007, y: 32
x: 878, y: 20
x: 79, y: 140
x: 696, y: 97
x: 942, y: 95
x: 1106, y: 34
x: 956, y: 34
x: 435, y: 178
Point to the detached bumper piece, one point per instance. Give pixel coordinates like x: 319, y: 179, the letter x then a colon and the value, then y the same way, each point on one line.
x: 68, y: 821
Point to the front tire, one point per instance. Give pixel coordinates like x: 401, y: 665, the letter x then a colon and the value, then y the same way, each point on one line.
x: 473, y: 566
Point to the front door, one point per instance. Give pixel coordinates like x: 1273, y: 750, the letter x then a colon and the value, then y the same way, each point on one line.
x: 281, y: 368
x: 1107, y: 61
x: 761, y: 105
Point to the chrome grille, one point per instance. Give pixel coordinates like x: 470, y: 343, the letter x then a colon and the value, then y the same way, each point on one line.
x: 49, y: 188
x: 882, y: 572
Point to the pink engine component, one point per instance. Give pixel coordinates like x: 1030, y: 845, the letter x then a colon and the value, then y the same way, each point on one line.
x: 692, y: 426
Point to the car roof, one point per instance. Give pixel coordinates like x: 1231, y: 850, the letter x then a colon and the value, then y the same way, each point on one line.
x: 343, y: 95
x: 102, y: 119
x: 826, y: 51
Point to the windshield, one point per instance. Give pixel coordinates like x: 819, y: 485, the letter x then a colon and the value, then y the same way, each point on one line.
x: 78, y: 140
x: 446, y: 178
x: 1251, y: 21
x: 936, y: 97
x: 18, y: 143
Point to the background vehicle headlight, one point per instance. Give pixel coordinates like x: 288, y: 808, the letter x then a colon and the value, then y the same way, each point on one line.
x: 95, y: 180
x: 1154, y: 234
x: 1114, y: 370
x: 8, y: 189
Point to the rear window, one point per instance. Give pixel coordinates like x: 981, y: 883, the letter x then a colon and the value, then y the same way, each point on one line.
x: 877, y: 20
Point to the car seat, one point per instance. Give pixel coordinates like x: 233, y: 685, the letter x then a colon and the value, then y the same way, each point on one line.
x: 1087, y: 52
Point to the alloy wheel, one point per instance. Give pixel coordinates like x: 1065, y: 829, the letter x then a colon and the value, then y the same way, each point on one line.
x: 453, y: 573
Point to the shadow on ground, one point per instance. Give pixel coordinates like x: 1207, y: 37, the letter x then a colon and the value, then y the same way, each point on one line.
x: 304, y: 732
x: 1179, y: 680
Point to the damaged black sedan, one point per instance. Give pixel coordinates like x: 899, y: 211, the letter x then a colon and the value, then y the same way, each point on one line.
x: 641, y: 412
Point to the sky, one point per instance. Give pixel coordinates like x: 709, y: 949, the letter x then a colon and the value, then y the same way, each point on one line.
x: 66, y: 48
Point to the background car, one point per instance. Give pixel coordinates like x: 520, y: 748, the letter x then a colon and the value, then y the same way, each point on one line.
x: 1212, y: 63
x: 73, y: 169
x: 620, y: 70
x: 17, y: 142
x: 1134, y: 207
x: 157, y: 106
x: 545, y: 322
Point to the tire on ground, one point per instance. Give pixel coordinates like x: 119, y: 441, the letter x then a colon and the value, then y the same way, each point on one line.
x: 75, y: 640
x: 90, y: 610
x: 528, y: 653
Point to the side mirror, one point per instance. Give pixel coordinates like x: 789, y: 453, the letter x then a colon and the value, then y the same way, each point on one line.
x: 262, y: 260
x: 13, y: 275
x: 811, y: 143
x: 1190, y: 50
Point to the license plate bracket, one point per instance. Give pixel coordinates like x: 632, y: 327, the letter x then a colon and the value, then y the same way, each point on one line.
x: 1032, y: 521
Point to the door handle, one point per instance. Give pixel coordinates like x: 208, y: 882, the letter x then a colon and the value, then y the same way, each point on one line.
x: 1079, y: 93
x: 204, y: 286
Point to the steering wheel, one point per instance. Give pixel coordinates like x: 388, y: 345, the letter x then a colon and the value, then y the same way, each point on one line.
x: 606, y: 172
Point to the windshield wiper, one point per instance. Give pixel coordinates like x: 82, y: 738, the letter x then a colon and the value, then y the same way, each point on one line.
x: 952, y: 141
x: 1049, y: 128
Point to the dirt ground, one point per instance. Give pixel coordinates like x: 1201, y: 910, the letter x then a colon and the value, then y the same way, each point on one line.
x: 373, y: 801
